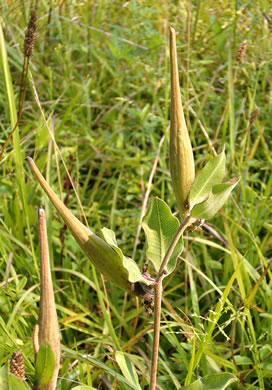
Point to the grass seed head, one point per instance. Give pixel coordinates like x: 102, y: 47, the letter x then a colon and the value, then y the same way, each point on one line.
x: 30, y: 35
x: 241, y: 52
x: 17, y: 365
x: 254, y: 115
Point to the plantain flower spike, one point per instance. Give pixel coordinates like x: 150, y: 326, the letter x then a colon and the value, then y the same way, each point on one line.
x: 103, y: 257
x: 182, y: 167
x: 48, y: 328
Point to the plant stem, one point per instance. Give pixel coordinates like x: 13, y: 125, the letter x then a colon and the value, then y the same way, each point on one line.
x: 158, y: 289
x: 172, y: 245
x: 156, y: 336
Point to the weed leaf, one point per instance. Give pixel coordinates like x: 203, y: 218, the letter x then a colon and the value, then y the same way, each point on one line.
x: 4, y: 378
x: 45, y: 364
x: 128, y: 369
x: 160, y: 227
x: 242, y: 360
x: 216, y: 200
x: 210, y: 175
x: 16, y: 383
x: 218, y: 381
x: 110, y: 238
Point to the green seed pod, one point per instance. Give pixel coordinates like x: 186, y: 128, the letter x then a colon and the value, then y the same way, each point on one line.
x: 104, y: 258
x: 182, y: 167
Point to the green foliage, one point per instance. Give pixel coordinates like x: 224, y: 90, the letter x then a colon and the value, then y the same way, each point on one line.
x: 16, y: 383
x: 4, y: 385
x: 10, y: 381
x: 215, y: 201
x: 126, y: 365
x: 104, y: 368
x: 209, y: 176
x: 160, y: 226
x: 218, y: 381
x: 44, y: 367
x: 129, y: 266
x: 207, y: 196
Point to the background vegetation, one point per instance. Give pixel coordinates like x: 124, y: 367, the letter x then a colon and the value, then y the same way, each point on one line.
x: 98, y: 100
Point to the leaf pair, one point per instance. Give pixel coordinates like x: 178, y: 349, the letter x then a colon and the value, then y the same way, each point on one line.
x: 208, y: 194
x: 206, y: 197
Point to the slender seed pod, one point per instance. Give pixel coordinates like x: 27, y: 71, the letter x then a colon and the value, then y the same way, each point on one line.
x: 48, y: 330
x: 104, y: 258
x: 182, y: 167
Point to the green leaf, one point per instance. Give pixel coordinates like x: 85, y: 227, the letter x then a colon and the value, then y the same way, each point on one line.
x: 125, y: 363
x: 266, y: 315
x: 83, y: 387
x: 16, y: 383
x: 130, y: 267
x: 4, y: 378
x: 266, y: 357
x: 45, y: 364
x: 160, y: 227
x: 210, y: 175
x: 241, y: 360
x: 134, y: 274
x: 216, y: 200
x: 110, y: 238
x: 218, y: 381
x: 97, y: 363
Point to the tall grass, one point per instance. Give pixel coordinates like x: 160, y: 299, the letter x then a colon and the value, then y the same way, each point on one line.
x: 106, y: 101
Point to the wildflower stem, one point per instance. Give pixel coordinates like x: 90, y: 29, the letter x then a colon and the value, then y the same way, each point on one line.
x: 156, y: 338
x: 172, y: 245
x: 158, y: 290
